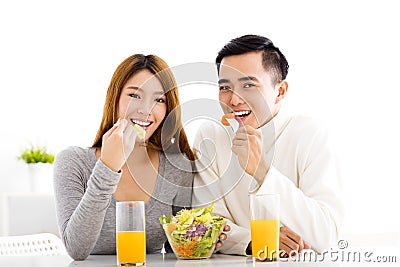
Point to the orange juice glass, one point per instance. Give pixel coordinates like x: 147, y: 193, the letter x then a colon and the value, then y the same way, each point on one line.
x: 264, y: 226
x: 131, y: 234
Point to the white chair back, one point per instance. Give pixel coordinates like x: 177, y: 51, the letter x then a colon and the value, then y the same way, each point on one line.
x: 44, y: 244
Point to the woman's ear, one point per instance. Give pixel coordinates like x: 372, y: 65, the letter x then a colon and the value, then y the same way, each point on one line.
x: 281, y: 89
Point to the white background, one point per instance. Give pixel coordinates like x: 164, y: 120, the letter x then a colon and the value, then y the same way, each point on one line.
x: 57, y: 58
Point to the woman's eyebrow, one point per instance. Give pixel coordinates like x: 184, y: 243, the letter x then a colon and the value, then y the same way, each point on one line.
x: 137, y: 88
x: 134, y: 88
x: 159, y: 93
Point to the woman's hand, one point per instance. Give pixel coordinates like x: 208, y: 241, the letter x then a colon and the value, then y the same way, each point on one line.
x: 222, y: 237
x: 117, y: 144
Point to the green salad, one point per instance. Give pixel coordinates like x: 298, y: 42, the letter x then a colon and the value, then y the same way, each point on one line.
x: 193, y: 233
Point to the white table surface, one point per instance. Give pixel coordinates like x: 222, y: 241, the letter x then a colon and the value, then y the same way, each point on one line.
x: 157, y: 260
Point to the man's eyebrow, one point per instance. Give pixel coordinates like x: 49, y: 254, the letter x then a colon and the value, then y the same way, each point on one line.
x: 248, y: 78
x: 223, y: 81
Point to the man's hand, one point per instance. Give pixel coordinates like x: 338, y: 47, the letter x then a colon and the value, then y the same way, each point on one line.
x: 290, y: 241
x: 247, y: 145
x: 221, y: 238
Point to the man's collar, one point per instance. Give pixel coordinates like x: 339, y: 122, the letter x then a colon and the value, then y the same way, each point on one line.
x: 273, y: 129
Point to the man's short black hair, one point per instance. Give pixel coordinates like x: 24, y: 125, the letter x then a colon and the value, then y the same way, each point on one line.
x: 272, y: 58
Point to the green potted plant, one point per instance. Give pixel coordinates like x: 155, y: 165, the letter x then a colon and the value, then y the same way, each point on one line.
x: 36, y: 155
x: 39, y: 162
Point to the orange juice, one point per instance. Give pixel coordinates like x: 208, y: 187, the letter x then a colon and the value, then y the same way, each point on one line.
x: 265, y: 239
x: 131, y: 247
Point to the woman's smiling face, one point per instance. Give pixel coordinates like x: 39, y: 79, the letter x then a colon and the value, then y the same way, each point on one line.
x: 143, y: 102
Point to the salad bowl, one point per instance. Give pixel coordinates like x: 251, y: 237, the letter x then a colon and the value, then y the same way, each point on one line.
x: 194, y: 233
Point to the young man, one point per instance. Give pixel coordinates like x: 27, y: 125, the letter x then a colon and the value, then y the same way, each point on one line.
x: 271, y: 152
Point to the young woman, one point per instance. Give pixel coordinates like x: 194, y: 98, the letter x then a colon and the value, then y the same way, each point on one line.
x: 121, y: 166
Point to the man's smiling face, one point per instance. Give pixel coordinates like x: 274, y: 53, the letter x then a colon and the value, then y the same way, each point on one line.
x: 246, y: 89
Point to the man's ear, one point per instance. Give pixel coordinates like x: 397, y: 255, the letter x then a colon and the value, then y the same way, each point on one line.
x: 281, y: 89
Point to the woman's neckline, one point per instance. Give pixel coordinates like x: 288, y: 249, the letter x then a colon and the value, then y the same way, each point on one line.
x: 158, y: 185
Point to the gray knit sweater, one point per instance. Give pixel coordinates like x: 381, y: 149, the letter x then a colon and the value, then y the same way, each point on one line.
x: 85, y: 203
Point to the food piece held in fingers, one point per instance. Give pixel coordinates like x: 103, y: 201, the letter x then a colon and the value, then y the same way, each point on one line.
x: 140, y: 131
x: 224, y: 118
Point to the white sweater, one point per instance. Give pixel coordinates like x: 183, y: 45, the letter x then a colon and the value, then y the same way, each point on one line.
x: 304, y: 172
